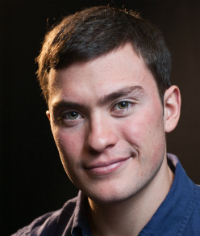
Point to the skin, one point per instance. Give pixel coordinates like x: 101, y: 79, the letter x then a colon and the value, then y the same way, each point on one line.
x: 109, y: 126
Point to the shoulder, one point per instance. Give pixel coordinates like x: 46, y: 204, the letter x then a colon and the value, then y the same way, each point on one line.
x: 47, y: 223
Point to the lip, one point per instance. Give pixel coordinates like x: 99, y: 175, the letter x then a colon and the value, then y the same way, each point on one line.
x: 103, y: 168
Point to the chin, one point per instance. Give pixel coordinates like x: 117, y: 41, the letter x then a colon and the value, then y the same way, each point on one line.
x: 112, y: 196
x: 107, y: 200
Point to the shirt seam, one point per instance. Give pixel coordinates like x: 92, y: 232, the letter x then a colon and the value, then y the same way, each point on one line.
x: 188, y: 213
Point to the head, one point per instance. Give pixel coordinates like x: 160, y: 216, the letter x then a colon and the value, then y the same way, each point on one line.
x: 97, y: 31
x: 105, y: 75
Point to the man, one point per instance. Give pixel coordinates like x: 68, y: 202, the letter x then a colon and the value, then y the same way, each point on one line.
x: 105, y: 75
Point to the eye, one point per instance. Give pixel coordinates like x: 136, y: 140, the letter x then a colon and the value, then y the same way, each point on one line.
x: 72, y: 115
x: 123, y: 105
x: 123, y: 108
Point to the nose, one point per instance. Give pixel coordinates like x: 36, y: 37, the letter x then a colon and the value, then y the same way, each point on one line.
x: 101, y: 134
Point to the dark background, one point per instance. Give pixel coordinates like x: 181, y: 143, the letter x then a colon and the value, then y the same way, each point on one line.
x: 32, y: 179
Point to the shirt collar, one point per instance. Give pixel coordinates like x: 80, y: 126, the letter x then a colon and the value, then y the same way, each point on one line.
x: 80, y: 223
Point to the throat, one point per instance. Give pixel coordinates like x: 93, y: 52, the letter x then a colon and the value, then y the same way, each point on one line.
x: 115, y: 219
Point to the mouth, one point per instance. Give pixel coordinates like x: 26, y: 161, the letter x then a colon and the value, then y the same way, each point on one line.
x: 103, y: 168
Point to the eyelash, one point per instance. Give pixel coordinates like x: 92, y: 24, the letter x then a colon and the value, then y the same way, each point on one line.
x: 129, y: 104
x: 67, y: 114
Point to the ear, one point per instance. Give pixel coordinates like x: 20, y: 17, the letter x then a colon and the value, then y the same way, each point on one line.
x: 172, y: 108
x: 48, y: 115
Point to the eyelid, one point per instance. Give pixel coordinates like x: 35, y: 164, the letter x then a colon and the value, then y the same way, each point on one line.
x: 68, y: 112
x: 63, y: 115
x: 124, y: 100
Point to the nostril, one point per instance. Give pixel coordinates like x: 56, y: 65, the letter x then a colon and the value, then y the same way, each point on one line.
x: 94, y: 152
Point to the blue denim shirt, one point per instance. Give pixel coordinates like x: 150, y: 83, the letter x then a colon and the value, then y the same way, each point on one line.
x: 178, y: 215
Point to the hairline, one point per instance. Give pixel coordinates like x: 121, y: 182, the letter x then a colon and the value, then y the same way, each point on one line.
x: 139, y: 54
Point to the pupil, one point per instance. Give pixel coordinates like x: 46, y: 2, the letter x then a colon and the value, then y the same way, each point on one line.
x: 123, y: 104
x: 73, y: 114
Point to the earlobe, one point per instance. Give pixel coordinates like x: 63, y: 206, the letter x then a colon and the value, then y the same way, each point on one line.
x: 172, y: 107
x: 48, y: 114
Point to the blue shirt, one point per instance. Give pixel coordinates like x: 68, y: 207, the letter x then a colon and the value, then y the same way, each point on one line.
x: 178, y: 215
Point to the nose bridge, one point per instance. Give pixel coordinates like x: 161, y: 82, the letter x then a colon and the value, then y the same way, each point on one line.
x: 100, y: 134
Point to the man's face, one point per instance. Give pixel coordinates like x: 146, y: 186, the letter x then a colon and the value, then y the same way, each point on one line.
x: 107, y: 121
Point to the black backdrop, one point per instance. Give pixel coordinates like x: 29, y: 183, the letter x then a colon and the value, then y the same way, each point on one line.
x: 32, y: 179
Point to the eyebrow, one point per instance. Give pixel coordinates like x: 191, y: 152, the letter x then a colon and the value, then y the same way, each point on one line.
x: 66, y: 104
x: 120, y: 93
x: 102, y: 101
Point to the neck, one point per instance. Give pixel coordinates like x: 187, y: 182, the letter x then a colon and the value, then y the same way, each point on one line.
x: 129, y: 216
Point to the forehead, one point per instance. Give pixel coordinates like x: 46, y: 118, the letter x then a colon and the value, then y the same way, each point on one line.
x: 119, y: 68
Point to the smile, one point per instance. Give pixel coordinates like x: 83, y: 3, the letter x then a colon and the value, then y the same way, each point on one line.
x: 103, y: 168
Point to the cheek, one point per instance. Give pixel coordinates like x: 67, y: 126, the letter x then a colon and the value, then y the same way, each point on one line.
x: 156, y: 142
x: 145, y: 131
x: 69, y: 147
x: 69, y: 144
x: 136, y: 129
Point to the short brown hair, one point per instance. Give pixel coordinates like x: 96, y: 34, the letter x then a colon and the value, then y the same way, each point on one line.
x: 96, y: 31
